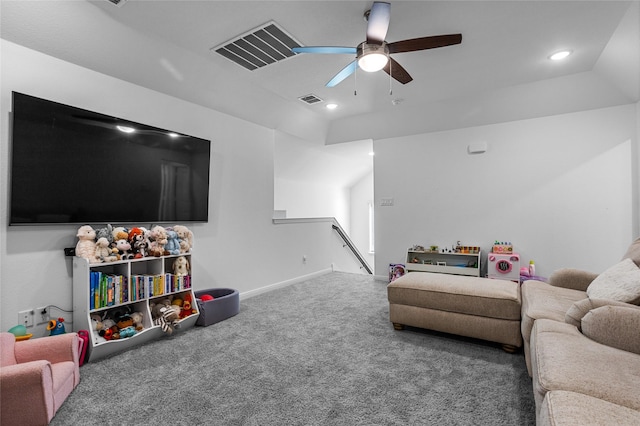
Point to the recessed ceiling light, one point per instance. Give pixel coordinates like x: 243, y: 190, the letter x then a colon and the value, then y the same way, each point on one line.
x: 558, y: 56
x: 332, y: 106
x: 372, y: 153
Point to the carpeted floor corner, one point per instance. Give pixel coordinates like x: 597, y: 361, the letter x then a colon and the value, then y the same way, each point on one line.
x: 321, y: 352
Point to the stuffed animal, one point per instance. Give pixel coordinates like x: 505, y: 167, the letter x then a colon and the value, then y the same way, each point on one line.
x: 185, y: 238
x: 136, y: 240
x: 86, y: 246
x: 158, y: 238
x: 186, y: 309
x: 166, y: 316
x: 173, y: 243
x: 119, y: 233
x: 109, y: 330
x: 123, y: 248
x: 56, y: 327
x: 125, y: 326
x: 104, y: 253
x: 96, y: 326
x: 106, y: 232
x: 138, y: 320
x: 181, y: 266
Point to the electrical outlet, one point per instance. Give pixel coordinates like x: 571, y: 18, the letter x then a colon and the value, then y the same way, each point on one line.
x: 42, y: 315
x: 26, y: 318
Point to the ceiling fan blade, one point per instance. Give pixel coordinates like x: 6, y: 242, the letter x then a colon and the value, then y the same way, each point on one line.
x: 344, y: 73
x: 324, y: 49
x: 378, y: 25
x: 424, y: 43
x: 395, y: 70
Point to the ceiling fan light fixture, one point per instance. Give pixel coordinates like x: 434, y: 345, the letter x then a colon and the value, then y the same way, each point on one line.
x: 373, y: 57
x: 373, y: 62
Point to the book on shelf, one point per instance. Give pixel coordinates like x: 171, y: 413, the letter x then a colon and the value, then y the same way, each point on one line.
x: 107, y: 290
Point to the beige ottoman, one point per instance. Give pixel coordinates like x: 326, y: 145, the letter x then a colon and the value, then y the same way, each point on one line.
x: 482, y: 308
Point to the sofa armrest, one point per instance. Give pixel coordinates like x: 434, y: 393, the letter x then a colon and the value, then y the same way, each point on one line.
x: 575, y: 279
x: 614, y: 326
x: 26, y: 393
x: 63, y: 347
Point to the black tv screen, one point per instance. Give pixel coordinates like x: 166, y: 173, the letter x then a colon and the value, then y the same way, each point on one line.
x: 70, y: 165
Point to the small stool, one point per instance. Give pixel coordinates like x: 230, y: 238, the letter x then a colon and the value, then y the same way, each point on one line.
x: 475, y: 307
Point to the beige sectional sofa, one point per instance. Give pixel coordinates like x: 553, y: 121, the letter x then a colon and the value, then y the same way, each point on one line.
x: 581, y: 335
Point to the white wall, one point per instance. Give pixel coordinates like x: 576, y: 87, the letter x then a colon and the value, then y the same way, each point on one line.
x: 361, y: 196
x: 313, y: 199
x: 239, y: 247
x: 560, y: 188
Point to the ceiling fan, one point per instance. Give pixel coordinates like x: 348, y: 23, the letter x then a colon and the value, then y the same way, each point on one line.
x: 374, y: 53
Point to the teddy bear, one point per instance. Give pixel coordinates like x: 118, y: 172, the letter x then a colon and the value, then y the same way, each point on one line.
x: 86, y: 246
x: 181, y: 266
x: 138, y: 320
x: 158, y: 237
x: 173, y: 243
x: 185, y: 238
x: 104, y: 253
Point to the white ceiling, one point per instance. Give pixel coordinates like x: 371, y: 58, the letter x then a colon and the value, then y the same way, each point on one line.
x: 500, y: 72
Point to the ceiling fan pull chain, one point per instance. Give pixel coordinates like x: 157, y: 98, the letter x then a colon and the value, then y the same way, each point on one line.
x: 355, y: 81
x: 390, y: 79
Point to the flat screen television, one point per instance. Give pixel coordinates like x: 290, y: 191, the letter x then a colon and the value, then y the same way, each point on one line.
x: 73, y: 166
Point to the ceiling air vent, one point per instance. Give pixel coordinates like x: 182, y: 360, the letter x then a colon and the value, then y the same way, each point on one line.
x: 118, y: 3
x: 310, y: 99
x: 259, y: 47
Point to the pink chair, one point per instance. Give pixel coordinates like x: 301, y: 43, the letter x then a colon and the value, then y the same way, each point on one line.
x: 36, y: 376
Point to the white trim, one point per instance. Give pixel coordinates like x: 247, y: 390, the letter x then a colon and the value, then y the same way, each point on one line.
x: 270, y: 287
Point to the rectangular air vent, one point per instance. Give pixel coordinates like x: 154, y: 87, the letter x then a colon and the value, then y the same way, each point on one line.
x: 310, y: 99
x: 259, y: 47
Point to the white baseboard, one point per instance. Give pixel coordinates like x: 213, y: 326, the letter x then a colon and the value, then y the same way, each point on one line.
x: 271, y: 287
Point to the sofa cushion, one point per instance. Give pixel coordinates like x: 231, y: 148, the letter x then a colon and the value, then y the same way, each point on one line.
x: 621, y: 282
x: 562, y: 358
x: 562, y: 408
x: 579, y: 309
x: 614, y: 326
x: 541, y: 300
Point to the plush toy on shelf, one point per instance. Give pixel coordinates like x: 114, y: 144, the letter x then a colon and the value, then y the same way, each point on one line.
x: 158, y: 237
x: 165, y: 315
x: 86, y: 246
x: 103, y: 251
x: 138, y: 243
x: 106, y: 232
x: 138, y: 320
x: 123, y: 248
x: 173, y: 243
x: 125, y: 326
x: 185, y: 238
x: 181, y: 266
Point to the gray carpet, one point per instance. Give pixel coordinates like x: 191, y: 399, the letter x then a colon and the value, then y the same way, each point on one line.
x: 321, y: 352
